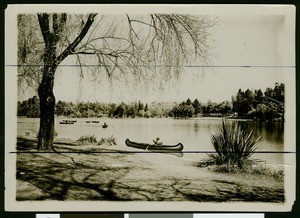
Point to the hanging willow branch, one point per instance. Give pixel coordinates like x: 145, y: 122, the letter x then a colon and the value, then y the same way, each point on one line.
x: 162, y: 42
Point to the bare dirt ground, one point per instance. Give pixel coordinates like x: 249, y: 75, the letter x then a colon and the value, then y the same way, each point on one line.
x: 71, y: 173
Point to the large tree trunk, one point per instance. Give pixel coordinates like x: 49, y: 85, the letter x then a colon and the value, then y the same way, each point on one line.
x: 47, y: 109
x: 47, y: 106
x: 51, y: 36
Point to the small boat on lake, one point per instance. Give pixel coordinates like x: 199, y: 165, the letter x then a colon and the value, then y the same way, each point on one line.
x: 153, y: 147
x: 68, y: 121
x: 94, y: 121
x: 88, y: 121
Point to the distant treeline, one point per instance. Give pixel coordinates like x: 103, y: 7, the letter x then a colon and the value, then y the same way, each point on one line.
x: 30, y: 108
x: 257, y: 105
x: 264, y: 106
x: 267, y: 106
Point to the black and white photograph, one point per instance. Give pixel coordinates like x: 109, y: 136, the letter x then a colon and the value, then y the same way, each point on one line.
x: 150, y: 108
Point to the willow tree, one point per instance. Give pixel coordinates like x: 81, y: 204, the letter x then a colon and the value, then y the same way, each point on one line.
x: 134, y: 48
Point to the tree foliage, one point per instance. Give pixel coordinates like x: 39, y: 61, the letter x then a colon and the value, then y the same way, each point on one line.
x: 29, y: 108
x: 256, y: 105
x: 113, y: 47
x: 184, y: 110
x: 260, y: 107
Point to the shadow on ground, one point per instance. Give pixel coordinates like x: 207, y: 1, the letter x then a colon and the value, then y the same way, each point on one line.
x: 130, y: 177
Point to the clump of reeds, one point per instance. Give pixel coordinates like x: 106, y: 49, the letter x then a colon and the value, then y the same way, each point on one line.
x: 233, y: 148
x: 107, y: 141
x: 88, y: 139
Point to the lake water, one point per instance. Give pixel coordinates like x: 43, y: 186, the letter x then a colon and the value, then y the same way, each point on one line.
x: 194, y: 134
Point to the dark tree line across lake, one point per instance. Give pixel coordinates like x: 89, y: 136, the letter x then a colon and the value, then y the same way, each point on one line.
x: 249, y: 104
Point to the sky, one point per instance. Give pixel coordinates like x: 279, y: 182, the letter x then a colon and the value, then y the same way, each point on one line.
x: 247, y: 52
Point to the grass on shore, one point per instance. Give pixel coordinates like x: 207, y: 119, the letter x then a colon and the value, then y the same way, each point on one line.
x: 107, y: 141
x: 92, y: 139
x: 261, y: 170
x: 88, y: 139
x: 255, y: 169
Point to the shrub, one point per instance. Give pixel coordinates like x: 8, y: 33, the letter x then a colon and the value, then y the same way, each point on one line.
x: 233, y: 147
x: 107, y: 141
x: 87, y: 139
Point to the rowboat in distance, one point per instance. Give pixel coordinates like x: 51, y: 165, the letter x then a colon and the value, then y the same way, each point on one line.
x: 94, y: 121
x: 68, y: 121
x: 153, y: 147
x: 88, y: 121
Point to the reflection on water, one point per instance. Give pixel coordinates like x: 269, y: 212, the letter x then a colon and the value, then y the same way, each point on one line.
x: 194, y: 134
x: 269, y: 131
x: 196, y: 127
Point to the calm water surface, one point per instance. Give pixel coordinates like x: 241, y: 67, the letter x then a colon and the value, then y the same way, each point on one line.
x: 194, y: 134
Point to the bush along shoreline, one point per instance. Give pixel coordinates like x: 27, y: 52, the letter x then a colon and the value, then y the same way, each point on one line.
x: 233, y: 149
x: 92, y: 139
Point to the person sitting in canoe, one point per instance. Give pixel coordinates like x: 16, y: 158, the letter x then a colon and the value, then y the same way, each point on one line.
x: 157, y: 142
x: 104, y: 125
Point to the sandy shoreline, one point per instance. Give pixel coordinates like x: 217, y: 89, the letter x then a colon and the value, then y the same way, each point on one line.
x: 106, y: 174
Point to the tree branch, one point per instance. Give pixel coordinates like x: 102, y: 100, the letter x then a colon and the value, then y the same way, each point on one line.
x: 44, y: 24
x: 78, y: 39
x: 58, y: 25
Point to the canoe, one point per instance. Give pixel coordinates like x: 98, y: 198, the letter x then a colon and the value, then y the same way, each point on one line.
x: 152, y: 147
